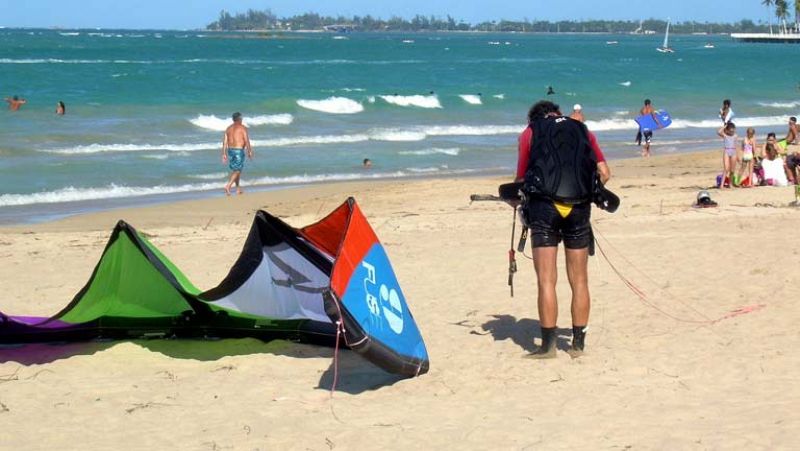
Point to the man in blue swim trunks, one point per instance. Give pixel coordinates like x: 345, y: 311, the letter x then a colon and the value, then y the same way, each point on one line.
x: 234, y: 144
x: 646, y: 133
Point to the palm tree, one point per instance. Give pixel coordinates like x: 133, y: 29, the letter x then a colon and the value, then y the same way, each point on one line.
x: 797, y: 16
x: 768, y: 4
x: 782, y: 11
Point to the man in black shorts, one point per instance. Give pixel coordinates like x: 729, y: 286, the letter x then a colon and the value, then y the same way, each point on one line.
x: 551, y: 222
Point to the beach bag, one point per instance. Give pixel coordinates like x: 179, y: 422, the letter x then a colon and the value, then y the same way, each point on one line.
x: 562, y: 165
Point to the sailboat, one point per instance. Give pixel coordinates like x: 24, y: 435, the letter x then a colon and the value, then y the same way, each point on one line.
x: 665, y: 48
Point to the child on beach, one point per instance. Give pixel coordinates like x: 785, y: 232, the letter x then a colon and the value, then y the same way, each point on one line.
x: 726, y: 113
x: 746, y: 165
x: 728, y: 135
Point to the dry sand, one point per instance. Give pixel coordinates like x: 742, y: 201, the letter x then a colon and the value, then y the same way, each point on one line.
x: 704, y: 359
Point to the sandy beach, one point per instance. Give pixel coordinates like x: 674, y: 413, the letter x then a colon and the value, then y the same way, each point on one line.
x: 703, y: 357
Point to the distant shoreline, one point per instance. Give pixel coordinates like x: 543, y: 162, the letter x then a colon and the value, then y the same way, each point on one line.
x: 334, y: 33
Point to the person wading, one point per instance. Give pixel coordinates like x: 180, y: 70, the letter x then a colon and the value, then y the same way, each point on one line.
x: 234, y: 143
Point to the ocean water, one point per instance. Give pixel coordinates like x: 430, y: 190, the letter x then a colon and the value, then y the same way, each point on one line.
x: 146, y: 109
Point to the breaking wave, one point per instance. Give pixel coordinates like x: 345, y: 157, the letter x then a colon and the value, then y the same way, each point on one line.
x: 756, y: 121
x: 780, y: 104
x: 72, y: 194
x: 213, y: 176
x: 430, y: 101
x: 629, y: 124
x: 410, y: 134
x: 211, y: 122
x: 332, y: 105
x: 452, y: 151
x: 471, y: 99
x: 101, y: 148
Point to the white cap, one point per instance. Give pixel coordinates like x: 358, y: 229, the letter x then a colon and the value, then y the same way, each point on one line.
x: 576, y: 107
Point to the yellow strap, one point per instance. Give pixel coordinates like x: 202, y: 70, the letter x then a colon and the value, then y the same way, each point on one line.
x: 563, y: 209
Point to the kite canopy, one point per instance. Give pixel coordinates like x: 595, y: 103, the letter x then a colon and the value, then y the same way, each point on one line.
x: 299, y: 284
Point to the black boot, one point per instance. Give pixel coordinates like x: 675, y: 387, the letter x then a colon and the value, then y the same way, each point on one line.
x: 548, y: 348
x: 578, y: 341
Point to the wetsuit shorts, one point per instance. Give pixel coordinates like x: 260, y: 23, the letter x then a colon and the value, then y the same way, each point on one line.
x: 235, y: 159
x: 648, y: 136
x: 548, y: 227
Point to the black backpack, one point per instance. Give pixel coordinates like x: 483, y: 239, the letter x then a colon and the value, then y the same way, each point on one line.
x: 562, y: 165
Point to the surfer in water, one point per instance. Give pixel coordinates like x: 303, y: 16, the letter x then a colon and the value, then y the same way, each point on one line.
x: 550, y: 91
x: 234, y: 144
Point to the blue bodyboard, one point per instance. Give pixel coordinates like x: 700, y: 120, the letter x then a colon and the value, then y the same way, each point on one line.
x: 658, y: 120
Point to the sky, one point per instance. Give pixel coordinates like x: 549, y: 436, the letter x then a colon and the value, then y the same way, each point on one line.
x: 192, y: 14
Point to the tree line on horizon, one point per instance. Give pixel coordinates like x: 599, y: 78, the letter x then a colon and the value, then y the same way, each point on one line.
x: 254, y: 20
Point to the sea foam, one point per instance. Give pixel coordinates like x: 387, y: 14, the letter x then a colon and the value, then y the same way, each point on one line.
x: 471, y: 99
x: 780, y: 104
x: 72, y: 194
x: 211, y: 122
x: 397, y: 135
x: 318, y: 139
x: 452, y: 151
x: 430, y: 101
x: 102, y: 148
x: 332, y: 105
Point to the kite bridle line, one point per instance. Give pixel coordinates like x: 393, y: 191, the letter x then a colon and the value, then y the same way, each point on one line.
x: 646, y: 300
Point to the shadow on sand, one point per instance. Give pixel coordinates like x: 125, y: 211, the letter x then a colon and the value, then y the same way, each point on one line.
x: 355, y: 374
x: 522, y: 332
x: 180, y: 348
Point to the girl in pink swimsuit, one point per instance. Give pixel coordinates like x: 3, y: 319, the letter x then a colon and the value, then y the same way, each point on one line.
x: 746, y: 165
x: 728, y: 135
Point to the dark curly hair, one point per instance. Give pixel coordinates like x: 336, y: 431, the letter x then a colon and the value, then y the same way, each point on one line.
x: 541, y: 109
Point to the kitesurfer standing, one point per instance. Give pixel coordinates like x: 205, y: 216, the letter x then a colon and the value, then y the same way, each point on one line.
x: 552, y: 221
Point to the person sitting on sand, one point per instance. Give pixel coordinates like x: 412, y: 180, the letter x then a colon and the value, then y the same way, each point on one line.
x: 774, y: 170
x: 61, y: 109
x: 234, y: 143
x: 14, y: 103
x: 770, y: 139
x: 728, y: 135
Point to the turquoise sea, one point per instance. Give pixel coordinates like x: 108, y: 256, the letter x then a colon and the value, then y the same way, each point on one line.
x: 146, y: 109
